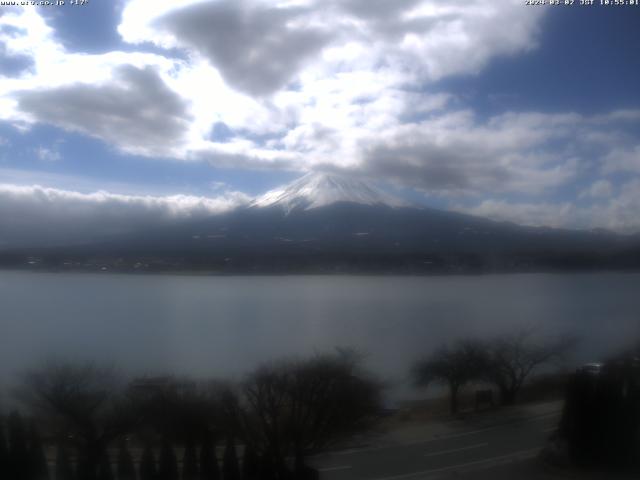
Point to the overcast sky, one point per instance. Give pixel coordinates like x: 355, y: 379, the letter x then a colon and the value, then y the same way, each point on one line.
x: 122, y: 112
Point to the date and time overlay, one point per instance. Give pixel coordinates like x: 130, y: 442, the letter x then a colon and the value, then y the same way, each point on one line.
x: 583, y: 3
x: 558, y: 3
x: 44, y: 3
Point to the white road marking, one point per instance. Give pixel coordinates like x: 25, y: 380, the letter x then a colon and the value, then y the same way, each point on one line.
x: 518, y: 454
x: 454, y: 450
x: 447, y: 437
x: 494, y: 427
x: 333, y: 469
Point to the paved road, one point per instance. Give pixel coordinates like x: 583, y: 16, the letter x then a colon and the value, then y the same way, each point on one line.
x: 461, y: 451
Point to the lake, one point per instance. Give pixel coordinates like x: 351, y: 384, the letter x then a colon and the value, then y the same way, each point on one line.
x: 209, y: 326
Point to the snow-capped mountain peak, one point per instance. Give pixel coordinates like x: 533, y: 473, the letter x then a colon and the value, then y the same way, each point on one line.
x: 321, y: 189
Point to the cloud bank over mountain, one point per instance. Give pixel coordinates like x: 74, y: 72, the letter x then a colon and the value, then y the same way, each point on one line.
x: 35, y: 214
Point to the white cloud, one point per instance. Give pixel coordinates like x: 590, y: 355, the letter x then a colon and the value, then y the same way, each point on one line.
x: 169, y: 206
x: 533, y: 214
x: 623, y: 160
x: 616, y: 213
x: 257, y: 48
x: 348, y: 71
x: 134, y: 111
x: 599, y: 189
x: 619, y: 212
x: 455, y: 153
x: 431, y: 38
x: 218, y: 186
x: 47, y: 154
x: 298, y: 83
x: 118, y: 97
x: 32, y: 213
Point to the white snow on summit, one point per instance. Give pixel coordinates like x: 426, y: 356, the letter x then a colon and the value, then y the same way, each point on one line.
x: 320, y: 189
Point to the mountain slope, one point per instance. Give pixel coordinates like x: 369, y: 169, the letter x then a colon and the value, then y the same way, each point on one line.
x: 351, y: 237
x: 316, y: 190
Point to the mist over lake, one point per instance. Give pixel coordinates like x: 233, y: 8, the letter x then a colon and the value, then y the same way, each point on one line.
x: 208, y: 326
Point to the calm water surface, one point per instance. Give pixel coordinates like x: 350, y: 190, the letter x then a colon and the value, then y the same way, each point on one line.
x: 224, y: 326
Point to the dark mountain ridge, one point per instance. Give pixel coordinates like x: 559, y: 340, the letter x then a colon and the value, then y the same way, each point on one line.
x: 345, y: 237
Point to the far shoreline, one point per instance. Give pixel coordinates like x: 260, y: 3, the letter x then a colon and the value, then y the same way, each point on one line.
x: 346, y: 273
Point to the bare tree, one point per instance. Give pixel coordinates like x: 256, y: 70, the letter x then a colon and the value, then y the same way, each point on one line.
x: 180, y: 409
x: 454, y: 367
x: 4, y: 452
x: 230, y: 465
x: 148, y: 468
x: 209, y: 469
x: 63, y: 469
x: 514, y: 357
x: 168, y: 463
x: 38, y: 467
x: 83, y: 401
x: 297, y: 407
x: 126, y: 468
x: 190, y: 461
x: 18, y: 448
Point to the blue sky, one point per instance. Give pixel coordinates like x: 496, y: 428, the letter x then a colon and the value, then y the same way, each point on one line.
x: 586, y: 62
x: 162, y: 109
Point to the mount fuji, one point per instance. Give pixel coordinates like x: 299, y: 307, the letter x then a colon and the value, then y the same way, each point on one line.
x: 325, y: 223
x: 316, y: 190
